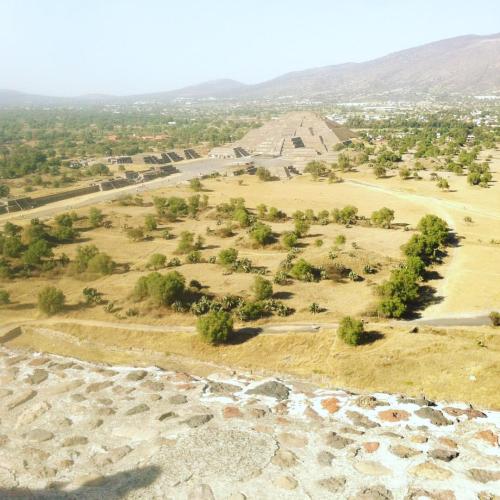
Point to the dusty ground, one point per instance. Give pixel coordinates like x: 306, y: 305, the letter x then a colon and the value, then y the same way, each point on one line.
x: 76, y: 430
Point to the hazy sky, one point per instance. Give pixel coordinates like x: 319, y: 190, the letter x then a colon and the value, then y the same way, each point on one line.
x: 72, y: 47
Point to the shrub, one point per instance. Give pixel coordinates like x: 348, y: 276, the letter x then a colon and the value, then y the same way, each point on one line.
x: 340, y: 239
x: 92, y: 296
x: 195, y: 184
x: 51, y: 300
x: 383, y: 217
x: 96, y: 217
x: 262, y: 288
x: 188, y: 243
x: 351, y: 330
x: 314, y: 308
x: 156, y: 261
x: 404, y: 173
x: 495, y: 318
x: 225, y: 231
x: 262, y: 234
x: 275, y: 214
x: 263, y: 174
x: 167, y: 235
x: 161, y: 289
x: 302, y: 227
x: 289, y: 240
x: 101, y: 264
x: 242, y: 217
x: 281, y: 278
x: 316, y: 169
x: 194, y: 257
x: 379, y: 171
x: 83, y: 255
x: 150, y: 223
x: 251, y: 311
x: 135, y: 233
x: 347, y: 215
x: 4, y: 297
x: 443, y: 184
x: 228, y: 256
x: 215, y: 327
x: 304, y: 271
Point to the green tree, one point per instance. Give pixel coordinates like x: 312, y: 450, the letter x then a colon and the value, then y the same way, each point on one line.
x: 51, y: 300
x: 215, y: 327
x: 397, y: 293
x: 36, y: 252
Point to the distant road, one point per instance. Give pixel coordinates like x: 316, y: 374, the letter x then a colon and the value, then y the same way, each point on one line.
x: 187, y: 171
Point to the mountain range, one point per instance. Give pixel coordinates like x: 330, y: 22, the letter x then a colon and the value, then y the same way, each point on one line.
x: 465, y: 65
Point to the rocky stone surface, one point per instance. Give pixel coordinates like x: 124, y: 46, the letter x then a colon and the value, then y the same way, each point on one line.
x: 75, y: 430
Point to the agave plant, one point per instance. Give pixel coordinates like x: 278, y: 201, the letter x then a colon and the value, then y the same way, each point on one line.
x: 315, y: 308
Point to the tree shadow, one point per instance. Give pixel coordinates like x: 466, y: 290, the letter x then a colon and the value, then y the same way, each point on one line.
x: 432, y: 275
x: 282, y: 295
x: 370, y: 337
x: 427, y: 297
x: 14, y: 333
x: 18, y: 306
x: 241, y: 335
x: 112, y: 487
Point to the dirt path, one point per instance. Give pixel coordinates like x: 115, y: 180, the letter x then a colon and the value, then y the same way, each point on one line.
x: 422, y: 199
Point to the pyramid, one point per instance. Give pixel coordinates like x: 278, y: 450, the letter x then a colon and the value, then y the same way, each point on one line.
x: 297, y: 138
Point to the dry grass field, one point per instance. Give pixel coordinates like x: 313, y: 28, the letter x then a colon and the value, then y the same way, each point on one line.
x: 397, y: 361
x: 466, y: 283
